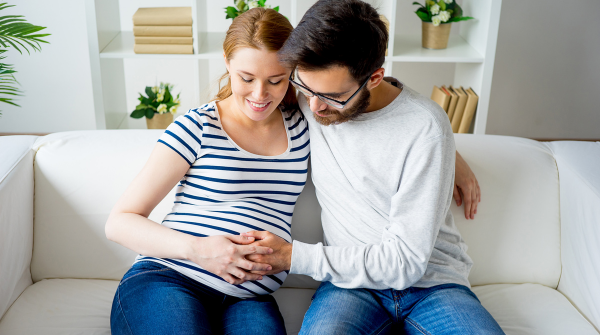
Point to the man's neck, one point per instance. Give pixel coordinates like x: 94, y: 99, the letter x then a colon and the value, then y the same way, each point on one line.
x: 382, y: 95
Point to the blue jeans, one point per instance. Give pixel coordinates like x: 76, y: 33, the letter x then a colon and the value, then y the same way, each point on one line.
x: 442, y: 309
x: 155, y: 299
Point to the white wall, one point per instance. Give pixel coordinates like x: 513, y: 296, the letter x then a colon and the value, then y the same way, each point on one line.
x: 545, y: 84
x: 546, y: 80
x: 56, y: 82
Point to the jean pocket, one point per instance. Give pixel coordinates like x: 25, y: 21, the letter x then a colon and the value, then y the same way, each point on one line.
x: 143, y: 267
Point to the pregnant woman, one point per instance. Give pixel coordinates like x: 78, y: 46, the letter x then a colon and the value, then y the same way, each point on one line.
x: 239, y: 163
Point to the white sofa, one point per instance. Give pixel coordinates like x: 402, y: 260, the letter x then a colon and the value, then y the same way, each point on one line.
x: 535, y: 240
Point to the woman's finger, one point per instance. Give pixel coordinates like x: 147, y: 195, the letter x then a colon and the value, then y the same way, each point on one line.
x: 252, y: 266
x: 240, y: 239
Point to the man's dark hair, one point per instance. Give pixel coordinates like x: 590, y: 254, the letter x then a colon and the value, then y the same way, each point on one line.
x: 346, y: 33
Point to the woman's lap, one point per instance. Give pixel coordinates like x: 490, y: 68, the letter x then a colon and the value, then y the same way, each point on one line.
x: 155, y: 299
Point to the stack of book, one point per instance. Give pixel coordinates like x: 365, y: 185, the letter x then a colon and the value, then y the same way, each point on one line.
x: 163, y: 30
x: 459, y: 104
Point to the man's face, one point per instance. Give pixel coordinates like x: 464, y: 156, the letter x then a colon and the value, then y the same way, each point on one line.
x: 338, y: 84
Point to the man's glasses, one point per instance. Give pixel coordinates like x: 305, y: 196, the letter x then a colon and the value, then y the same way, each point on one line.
x: 331, y: 102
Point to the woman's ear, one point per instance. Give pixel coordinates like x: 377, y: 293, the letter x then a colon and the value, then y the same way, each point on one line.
x: 226, y: 61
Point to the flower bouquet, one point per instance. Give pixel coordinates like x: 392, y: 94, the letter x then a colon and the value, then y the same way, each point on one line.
x: 436, y: 16
x: 158, y: 107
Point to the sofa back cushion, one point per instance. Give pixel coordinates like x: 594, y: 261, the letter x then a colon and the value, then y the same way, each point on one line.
x: 515, y: 236
x: 80, y: 175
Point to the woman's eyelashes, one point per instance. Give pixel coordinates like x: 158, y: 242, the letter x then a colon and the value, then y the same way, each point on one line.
x: 251, y: 80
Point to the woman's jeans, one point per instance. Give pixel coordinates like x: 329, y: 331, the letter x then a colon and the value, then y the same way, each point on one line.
x: 155, y: 299
x: 441, y: 309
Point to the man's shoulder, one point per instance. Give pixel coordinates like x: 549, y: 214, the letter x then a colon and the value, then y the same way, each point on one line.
x: 424, y: 114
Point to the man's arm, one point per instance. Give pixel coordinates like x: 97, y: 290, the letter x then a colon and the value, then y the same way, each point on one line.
x: 400, y: 260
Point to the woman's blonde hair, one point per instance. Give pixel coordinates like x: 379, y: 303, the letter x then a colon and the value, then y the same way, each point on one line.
x: 258, y: 28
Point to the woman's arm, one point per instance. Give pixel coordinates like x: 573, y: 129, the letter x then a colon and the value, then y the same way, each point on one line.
x: 466, y: 187
x: 128, y: 225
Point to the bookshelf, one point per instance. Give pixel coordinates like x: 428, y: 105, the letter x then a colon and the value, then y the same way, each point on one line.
x: 468, y: 61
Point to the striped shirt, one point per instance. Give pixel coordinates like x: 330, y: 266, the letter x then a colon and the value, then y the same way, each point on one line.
x: 228, y: 190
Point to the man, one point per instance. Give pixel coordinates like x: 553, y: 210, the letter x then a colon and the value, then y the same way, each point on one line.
x: 383, y: 161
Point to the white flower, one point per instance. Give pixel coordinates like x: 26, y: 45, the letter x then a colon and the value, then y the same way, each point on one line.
x: 444, y: 16
x: 434, y: 9
x: 162, y: 108
x: 436, y: 20
x: 173, y: 109
x: 160, y: 97
x: 154, y: 89
x: 448, y: 1
x: 252, y: 4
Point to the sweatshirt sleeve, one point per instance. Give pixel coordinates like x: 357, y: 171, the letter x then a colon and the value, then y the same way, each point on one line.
x: 417, y: 212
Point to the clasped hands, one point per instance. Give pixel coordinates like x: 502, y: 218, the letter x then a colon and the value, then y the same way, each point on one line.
x: 245, y: 257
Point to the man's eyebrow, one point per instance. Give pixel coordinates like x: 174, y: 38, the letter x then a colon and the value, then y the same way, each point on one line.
x: 337, y: 94
x: 250, y: 74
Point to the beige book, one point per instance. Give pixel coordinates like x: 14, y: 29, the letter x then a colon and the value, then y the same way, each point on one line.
x: 453, y: 101
x: 163, y: 16
x: 162, y: 40
x: 470, y: 109
x: 442, y: 98
x: 460, y: 108
x: 163, y: 49
x: 171, y: 31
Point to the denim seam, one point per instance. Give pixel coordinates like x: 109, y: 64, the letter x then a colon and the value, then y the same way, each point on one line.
x: 382, y: 327
x: 417, y: 326
x: 141, y: 273
x: 122, y: 312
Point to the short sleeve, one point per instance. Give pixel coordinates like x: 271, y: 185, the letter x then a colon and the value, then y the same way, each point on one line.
x: 183, y: 136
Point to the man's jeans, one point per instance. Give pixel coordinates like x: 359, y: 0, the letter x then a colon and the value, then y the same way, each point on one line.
x: 155, y: 299
x: 442, y: 309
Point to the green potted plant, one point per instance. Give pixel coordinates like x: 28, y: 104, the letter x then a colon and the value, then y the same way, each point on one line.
x: 241, y: 6
x: 436, y: 17
x: 158, y: 107
x: 15, y: 32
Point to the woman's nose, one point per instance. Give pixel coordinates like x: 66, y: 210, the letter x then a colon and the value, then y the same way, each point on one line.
x: 316, y: 105
x: 260, y: 92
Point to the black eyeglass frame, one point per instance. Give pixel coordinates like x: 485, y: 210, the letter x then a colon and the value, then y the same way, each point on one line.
x: 341, y: 104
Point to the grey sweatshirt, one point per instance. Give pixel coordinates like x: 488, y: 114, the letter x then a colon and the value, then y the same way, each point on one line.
x: 384, y: 182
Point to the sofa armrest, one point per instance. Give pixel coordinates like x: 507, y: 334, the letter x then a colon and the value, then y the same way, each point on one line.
x: 580, y: 229
x: 16, y: 216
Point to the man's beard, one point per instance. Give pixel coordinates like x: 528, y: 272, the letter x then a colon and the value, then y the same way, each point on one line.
x: 334, y: 116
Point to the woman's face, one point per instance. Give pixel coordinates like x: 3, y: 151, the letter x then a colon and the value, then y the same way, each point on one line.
x: 258, y: 82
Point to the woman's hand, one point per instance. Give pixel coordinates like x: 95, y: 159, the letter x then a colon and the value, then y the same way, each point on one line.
x: 466, y: 187
x: 280, y: 259
x: 225, y: 256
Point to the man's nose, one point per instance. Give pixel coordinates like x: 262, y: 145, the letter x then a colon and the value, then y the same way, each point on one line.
x: 316, y: 105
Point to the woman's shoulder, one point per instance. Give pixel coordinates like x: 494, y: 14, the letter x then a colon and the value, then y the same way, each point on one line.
x: 205, y: 112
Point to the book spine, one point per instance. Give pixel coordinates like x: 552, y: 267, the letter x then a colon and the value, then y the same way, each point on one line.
x: 162, y: 40
x: 162, y: 20
x: 171, y: 31
x: 470, y: 108
x: 163, y: 49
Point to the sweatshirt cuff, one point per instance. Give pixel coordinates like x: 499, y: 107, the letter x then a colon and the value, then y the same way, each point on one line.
x: 305, y: 258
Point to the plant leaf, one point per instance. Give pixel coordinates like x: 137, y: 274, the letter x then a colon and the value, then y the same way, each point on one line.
x: 138, y: 113
x: 276, y: 9
x: 462, y: 18
x: 231, y: 12
x: 150, y: 94
x: 423, y: 16
x: 149, y: 113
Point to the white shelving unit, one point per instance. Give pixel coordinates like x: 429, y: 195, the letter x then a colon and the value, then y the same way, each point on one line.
x: 468, y: 61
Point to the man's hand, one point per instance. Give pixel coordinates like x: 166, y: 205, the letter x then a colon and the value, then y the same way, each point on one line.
x: 466, y: 184
x: 280, y: 259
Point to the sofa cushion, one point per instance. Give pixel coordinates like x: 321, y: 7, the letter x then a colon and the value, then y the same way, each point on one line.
x: 532, y: 309
x: 82, y: 306
x: 515, y: 236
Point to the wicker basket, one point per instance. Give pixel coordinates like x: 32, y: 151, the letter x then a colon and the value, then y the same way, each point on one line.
x: 435, y: 37
x: 159, y: 121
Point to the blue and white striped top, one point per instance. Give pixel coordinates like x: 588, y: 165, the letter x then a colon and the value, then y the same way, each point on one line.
x: 228, y: 190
